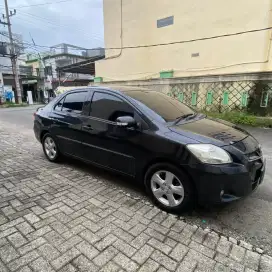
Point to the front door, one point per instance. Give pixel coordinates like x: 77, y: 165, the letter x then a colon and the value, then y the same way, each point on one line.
x: 67, y: 123
x: 104, y: 142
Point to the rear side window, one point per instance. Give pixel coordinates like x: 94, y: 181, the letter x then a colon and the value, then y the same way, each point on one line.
x: 74, y: 102
x: 109, y: 107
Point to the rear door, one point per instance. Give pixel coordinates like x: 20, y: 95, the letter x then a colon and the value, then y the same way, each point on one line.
x: 66, y: 122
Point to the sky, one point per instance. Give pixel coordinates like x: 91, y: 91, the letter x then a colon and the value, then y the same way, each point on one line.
x: 51, y: 22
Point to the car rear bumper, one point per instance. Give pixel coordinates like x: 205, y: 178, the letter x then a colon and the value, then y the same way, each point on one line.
x: 220, y: 184
x: 37, y: 130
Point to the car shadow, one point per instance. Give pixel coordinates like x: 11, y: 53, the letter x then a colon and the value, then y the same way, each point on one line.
x: 112, y: 178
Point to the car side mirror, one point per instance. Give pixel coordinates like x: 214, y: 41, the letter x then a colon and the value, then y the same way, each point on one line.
x: 126, y: 121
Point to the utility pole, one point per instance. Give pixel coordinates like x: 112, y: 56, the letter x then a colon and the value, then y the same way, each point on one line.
x: 13, y: 57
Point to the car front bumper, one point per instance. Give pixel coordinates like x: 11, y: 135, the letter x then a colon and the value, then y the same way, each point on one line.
x: 226, y: 183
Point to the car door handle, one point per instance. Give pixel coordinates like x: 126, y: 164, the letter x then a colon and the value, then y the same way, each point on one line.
x: 88, y: 127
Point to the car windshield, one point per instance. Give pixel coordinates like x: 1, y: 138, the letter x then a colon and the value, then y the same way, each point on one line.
x: 160, y: 106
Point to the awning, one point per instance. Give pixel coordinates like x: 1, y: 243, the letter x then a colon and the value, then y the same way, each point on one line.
x: 86, y: 67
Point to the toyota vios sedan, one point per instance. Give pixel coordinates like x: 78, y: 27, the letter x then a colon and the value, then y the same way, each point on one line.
x: 181, y: 156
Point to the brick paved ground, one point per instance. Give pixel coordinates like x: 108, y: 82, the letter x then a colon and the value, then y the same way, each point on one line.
x: 56, y: 218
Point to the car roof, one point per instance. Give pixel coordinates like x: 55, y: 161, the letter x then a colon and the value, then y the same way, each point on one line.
x: 122, y: 89
x: 112, y: 88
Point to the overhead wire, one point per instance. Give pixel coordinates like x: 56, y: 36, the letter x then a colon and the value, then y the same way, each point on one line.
x: 169, y: 43
x: 42, y: 4
x: 56, y: 24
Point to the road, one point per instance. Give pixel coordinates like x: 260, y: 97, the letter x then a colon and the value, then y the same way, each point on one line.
x: 248, y: 219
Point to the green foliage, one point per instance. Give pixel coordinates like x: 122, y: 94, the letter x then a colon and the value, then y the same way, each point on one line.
x: 242, y: 118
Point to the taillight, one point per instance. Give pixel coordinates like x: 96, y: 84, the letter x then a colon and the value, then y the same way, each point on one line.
x: 34, y: 115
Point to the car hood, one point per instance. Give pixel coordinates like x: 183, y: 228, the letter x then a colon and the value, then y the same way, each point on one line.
x: 208, y: 130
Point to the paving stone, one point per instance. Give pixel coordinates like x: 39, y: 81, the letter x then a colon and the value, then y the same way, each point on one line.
x: 125, y: 262
x: 84, y: 265
x: 155, y: 234
x: 224, y: 246
x: 237, y: 253
x: 106, y: 241
x: 187, y: 265
x: 143, y: 254
x: 32, y: 218
x: 252, y: 260
x: 123, y: 235
x: 179, y: 252
x: 124, y: 247
x: 71, y: 242
x: 65, y: 258
x: 25, y: 228
x: 8, y: 253
x: 90, y: 236
x: 38, y: 233
x: 229, y: 262
x: 105, y: 256
x: 203, y: 250
x: 24, y: 269
x: 41, y: 265
x: 68, y: 268
x: 159, y: 245
x: 24, y: 260
x: 149, y: 266
x: 245, y: 245
x: 266, y: 263
x: 110, y: 267
x: 139, y: 241
x: 3, y: 268
x: 87, y: 249
x: 164, y: 260
x: 162, y: 269
x: 32, y: 245
x: 199, y: 236
x: 17, y: 239
x: 49, y: 252
x: 211, y: 240
x: 200, y: 258
x: 221, y: 268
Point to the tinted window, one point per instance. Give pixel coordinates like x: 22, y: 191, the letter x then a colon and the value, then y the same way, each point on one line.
x: 74, y: 102
x: 58, y: 106
x: 109, y: 107
x: 167, y: 108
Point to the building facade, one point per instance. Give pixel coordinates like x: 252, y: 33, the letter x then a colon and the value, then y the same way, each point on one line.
x: 213, y: 55
x: 184, y: 33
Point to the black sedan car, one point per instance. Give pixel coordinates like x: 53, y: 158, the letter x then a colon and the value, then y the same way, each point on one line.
x: 181, y: 156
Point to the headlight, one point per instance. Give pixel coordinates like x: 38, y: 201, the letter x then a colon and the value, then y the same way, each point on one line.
x: 208, y: 153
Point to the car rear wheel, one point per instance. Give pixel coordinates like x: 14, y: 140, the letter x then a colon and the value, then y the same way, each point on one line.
x: 50, y: 148
x: 169, y: 187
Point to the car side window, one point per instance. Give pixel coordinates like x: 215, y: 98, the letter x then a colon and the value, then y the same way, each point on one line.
x: 109, y: 107
x: 58, y: 106
x: 74, y: 102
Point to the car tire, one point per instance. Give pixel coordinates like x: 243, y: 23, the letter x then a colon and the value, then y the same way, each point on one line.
x: 170, y: 188
x: 50, y: 148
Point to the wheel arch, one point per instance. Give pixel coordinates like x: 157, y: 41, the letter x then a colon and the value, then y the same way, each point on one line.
x: 169, y: 161
x: 43, y: 133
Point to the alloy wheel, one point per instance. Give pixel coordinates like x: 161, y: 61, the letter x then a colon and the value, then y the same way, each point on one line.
x: 167, y: 188
x: 50, y: 148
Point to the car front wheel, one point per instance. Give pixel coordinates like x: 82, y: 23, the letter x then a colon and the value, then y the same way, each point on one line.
x: 169, y: 187
x: 50, y: 148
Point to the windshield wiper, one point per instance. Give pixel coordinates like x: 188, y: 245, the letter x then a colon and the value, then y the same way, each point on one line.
x: 185, y: 116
